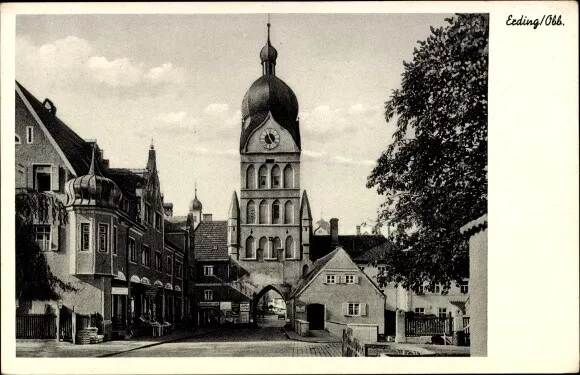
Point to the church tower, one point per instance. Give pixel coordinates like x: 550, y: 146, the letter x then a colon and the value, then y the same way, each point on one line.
x: 195, y: 208
x: 274, y: 223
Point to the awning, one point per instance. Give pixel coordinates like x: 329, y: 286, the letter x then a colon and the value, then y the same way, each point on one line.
x: 135, y: 279
x: 158, y: 284
x: 168, y: 286
x: 145, y: 281
x: 120, y: 276
x: 177, y: 288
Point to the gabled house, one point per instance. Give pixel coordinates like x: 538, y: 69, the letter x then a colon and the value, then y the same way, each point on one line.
x: 335, y: 293
x: 109, y: 249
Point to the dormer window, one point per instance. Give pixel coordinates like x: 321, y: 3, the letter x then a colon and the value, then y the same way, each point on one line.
x: 208, y: 270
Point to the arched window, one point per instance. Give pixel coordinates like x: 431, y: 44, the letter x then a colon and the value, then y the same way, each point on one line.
x: 289, y: 248
x: 276, y: 246
x: 289, y: 213
x: 263, y: 177
x: 250, y: 248
x: 276, y: 178
x: 276, y: 217
x: 264, y: 248
x: 251, y: 177
x: 288, y: 176
x: 17, y: 140
x: 251, y: 213
x: 263, y: 212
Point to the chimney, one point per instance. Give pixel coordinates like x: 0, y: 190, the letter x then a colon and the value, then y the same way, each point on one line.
x: 334, y: 232
x: 358, y: 230
x: 207, y: 217
x: 168, y: 209
x: 105, y: 163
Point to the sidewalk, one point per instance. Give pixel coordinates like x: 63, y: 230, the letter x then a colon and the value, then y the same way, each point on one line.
x: 316, y: 336
x: 50, y: 348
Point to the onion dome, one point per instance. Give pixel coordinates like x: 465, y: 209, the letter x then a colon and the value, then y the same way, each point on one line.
x: 269, y: 95
x: 195, y: 204
x: 92, y: 190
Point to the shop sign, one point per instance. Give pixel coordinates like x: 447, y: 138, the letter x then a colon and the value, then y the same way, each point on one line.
x: 209, y: 304
x: 225, y: 306
x: 245, y: 306
x: 245, y: 317
x: 123, y: 290
x: 300, y: 309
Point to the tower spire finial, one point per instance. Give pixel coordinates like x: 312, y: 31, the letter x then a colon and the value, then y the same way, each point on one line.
x: 196, y: 189
x: 92, y: 167
x: 152, y: 143
x: 268, y: 26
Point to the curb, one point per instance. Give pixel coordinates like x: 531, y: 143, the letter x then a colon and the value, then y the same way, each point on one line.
x: 193, y: 334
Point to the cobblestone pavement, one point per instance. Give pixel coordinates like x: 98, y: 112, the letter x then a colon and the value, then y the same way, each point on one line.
x: 239, y: 342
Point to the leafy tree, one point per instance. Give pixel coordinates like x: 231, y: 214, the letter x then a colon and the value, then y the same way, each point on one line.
x: 434, y: 173
x: 34, y: 279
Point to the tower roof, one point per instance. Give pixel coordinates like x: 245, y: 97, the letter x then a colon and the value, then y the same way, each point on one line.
x: 234, y: 212
x: 195, y: 204
x: 305, y: 207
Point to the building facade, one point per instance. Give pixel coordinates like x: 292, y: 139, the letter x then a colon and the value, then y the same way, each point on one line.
x: 270, y: 226
x: 112, y: 249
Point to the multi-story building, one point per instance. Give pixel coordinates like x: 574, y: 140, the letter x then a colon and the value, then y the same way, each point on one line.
x: 113, y: 249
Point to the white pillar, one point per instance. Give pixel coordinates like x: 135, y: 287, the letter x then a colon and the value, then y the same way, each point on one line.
x: 400, y: 327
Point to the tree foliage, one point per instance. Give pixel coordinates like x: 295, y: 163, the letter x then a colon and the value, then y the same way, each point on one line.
x: 34, y: 279
x: 434, y: 173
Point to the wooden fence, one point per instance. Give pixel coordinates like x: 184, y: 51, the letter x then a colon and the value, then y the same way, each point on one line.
x: 35, y: 326
x: 417, y: 325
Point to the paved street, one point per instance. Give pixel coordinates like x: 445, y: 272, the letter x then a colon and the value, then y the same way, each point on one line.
x: 239, y: 342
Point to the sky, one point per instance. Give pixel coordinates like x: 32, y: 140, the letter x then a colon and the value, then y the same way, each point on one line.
x: 179, y: 80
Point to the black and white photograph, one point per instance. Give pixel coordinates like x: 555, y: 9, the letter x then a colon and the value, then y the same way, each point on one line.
x: 266, y: 183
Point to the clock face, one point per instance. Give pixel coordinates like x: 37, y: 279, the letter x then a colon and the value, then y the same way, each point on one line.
x: 270, y: 139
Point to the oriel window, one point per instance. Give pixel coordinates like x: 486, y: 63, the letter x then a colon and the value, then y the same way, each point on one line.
x: 103, y: 238
x: 85, y: 237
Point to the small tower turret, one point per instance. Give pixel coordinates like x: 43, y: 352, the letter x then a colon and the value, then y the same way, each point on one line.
x: 233, y: 227
x: 195, y: 208
x: 306, y: 221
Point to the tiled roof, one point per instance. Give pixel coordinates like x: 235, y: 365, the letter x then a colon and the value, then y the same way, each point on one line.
x: 179, y: 221
x: 316, y: 267
x: 211, y: 241
x: 354, y: 245
x: 76, y: 150
x: 171, y: 227
x: 127, y: 181
x: 173, y: 244
x: 376, y: 253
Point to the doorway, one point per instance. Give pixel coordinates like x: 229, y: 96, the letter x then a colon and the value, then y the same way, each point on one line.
x: 315, y: 315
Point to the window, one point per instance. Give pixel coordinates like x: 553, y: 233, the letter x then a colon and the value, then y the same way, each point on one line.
x: 263, y: 177
x: 442, y: 312
x: 158, y: 260
x: 251, y: 177
x: 349, y: 279
x: 288, y: 177
x: 330, y: 279
x: 289, y: 248
x: 43, y: 237
x: 178, y: 270
x: 250, y: 248
x: 208, y: 295
x: 17, y: 139
x: 148, y: 214
x: 132, y: 250
x: 276, y: 174
x: 288, y: 213
x: 464, y: 287
x: 85, y: 237
x: 276, y: 212
x: 382, y: 270
x: 437, y: 289
x: 420, y: 290
x: 115, y: 240
x: 263, y: 212
x: 29, y: 134
x: 145, y: 255
x: 251, y: 213
x: 103, y: 238
x: 42, y: 177
x: 208, y: 270
x: 263, y: 244
x: 276, y: 246
x: 157, y: 221
x: 419, y: 310
x: 169, y: 265
x: 354, y: 309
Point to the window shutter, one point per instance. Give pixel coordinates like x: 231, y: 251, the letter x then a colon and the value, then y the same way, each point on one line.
x: 55, y: 178
x: 345, y: 308
x: 54, y: 237
x: 363, y: 309
x: 343, y: 279
x: 324, y: 278
x: 357, y: 279
x: 30, y: 177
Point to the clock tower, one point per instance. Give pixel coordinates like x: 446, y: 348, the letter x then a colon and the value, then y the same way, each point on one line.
x: 270, y: 227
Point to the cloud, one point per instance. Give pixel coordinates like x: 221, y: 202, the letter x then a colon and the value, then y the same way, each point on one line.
x: 73, y: 61
x: 172, y: 117
x: 217, y: 109
x: 357, y: 109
